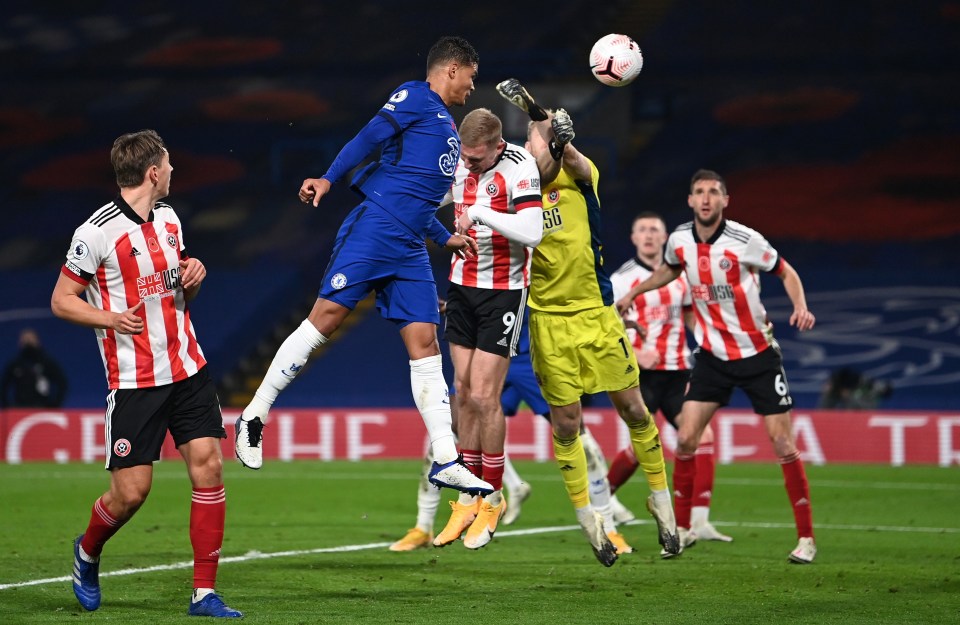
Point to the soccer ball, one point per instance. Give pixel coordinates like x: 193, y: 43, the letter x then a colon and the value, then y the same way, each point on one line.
x: 615, y: 60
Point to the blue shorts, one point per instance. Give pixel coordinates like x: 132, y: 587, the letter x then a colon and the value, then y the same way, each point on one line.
x: 373, y: 253
x: 521, y: 385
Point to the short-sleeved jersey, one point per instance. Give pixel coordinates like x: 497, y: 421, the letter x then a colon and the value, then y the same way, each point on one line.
x: 725, y: 287
x: 123, y: 260
x: 417, y: 164
x: 567, y: 273
x: 510, y: 186
x: 660, y: 311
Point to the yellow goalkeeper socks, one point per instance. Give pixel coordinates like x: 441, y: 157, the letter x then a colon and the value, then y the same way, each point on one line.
x: 573, y: 467
x: 645, y: 438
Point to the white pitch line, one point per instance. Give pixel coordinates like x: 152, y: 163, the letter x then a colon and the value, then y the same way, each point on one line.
x: 257, y: 555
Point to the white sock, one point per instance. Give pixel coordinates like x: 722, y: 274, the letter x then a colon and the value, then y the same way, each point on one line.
x: 428, y: 498
x: 87, y: 557
x: 200, y: 593
x: 591, y: 447
x: 494, y: 498
x: 661, y: 496
x: 290, y: 359
x: 584, y: 514
x: 430, y: 394
x: 511, y: 479
x: 699, y: 515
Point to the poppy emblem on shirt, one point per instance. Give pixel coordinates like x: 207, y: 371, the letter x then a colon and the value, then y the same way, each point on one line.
x: 553, y: 196
x: 470, y: 185
x: 153, y: 245
x: 725, y: 264
x: 493, y: 189
x: 703, y: 263
x: 122, y: 448
x: 338, y: 281
x: 172, y: 241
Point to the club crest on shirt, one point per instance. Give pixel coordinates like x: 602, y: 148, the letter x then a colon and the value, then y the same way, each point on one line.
x: 493, y: 189
x: 79, y: 250
x: 448, y: 160
x: 725, y: 264
x: 553, y: 196
x: 338, y: 281
x: 172, y: 240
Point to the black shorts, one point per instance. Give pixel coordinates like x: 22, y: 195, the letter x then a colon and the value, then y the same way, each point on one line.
x: 137, y: 419
x: 485, y: 319
x: 664, y: 391
x: 760, y: 376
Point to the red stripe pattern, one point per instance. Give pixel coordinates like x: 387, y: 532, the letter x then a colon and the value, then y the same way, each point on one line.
x: 129, y: 261
x: 660, y: 312
x: 511, y: 185
x: 725, y: 288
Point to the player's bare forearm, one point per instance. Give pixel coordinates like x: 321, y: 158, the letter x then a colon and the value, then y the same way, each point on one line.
x: 801, y: 318
x: 67, y: 304
x: 664, y: 274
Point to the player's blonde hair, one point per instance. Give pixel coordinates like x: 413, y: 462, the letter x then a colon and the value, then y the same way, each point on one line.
x: 481, y: 127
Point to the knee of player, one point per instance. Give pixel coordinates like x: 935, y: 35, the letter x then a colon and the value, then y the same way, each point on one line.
x: 130, y: 496
x: 207, y: 472
x: 565, y: 428
x: 633, y: 412
x: 687, y: 442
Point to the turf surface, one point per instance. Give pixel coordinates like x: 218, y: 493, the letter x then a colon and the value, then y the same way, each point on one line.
x: 306, y: 543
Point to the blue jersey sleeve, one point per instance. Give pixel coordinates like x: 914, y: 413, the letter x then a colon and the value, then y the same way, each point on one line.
x: 377, y: 130
x: 438, y: 233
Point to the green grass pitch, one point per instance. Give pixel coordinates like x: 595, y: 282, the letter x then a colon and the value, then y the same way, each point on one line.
x: 306, y: 543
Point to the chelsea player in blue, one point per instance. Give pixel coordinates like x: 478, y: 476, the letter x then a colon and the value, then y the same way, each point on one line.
x: 380, y: 247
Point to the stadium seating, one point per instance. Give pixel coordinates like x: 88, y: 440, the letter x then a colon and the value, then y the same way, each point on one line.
x: 831, y: 123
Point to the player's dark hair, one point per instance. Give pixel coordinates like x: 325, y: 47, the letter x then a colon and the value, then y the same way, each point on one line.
x: 449, y: 49
x: 133, y: 153
x: 708, y: 174
x: 649, y: 215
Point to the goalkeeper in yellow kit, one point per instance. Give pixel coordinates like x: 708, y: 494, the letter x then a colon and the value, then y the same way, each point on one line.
x: 577, y: 339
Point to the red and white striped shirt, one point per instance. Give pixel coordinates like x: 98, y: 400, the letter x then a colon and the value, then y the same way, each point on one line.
x: 724, y: 286
x: 660, y: 311
x: 123, y: 260
x: 510, y: 186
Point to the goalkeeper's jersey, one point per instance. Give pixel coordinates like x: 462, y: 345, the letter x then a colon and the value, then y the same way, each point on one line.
x: 567, y: 273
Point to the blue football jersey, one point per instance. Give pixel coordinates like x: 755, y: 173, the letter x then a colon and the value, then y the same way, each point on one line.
x: 417, y: 164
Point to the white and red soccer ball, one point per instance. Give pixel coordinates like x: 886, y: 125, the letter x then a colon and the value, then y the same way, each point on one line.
x: 615, y: 60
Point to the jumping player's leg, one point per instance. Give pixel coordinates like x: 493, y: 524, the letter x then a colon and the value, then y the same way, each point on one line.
x: 314, y: 331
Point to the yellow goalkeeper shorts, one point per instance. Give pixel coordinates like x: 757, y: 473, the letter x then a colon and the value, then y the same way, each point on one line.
x: 581, y: 352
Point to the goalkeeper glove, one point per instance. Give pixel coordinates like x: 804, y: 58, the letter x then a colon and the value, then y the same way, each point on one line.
x: 514, y: 92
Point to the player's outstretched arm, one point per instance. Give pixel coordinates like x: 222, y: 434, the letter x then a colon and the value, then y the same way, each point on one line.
x: 664, y: 274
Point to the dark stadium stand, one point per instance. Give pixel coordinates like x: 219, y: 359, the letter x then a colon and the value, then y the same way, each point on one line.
x: 835, y: 125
